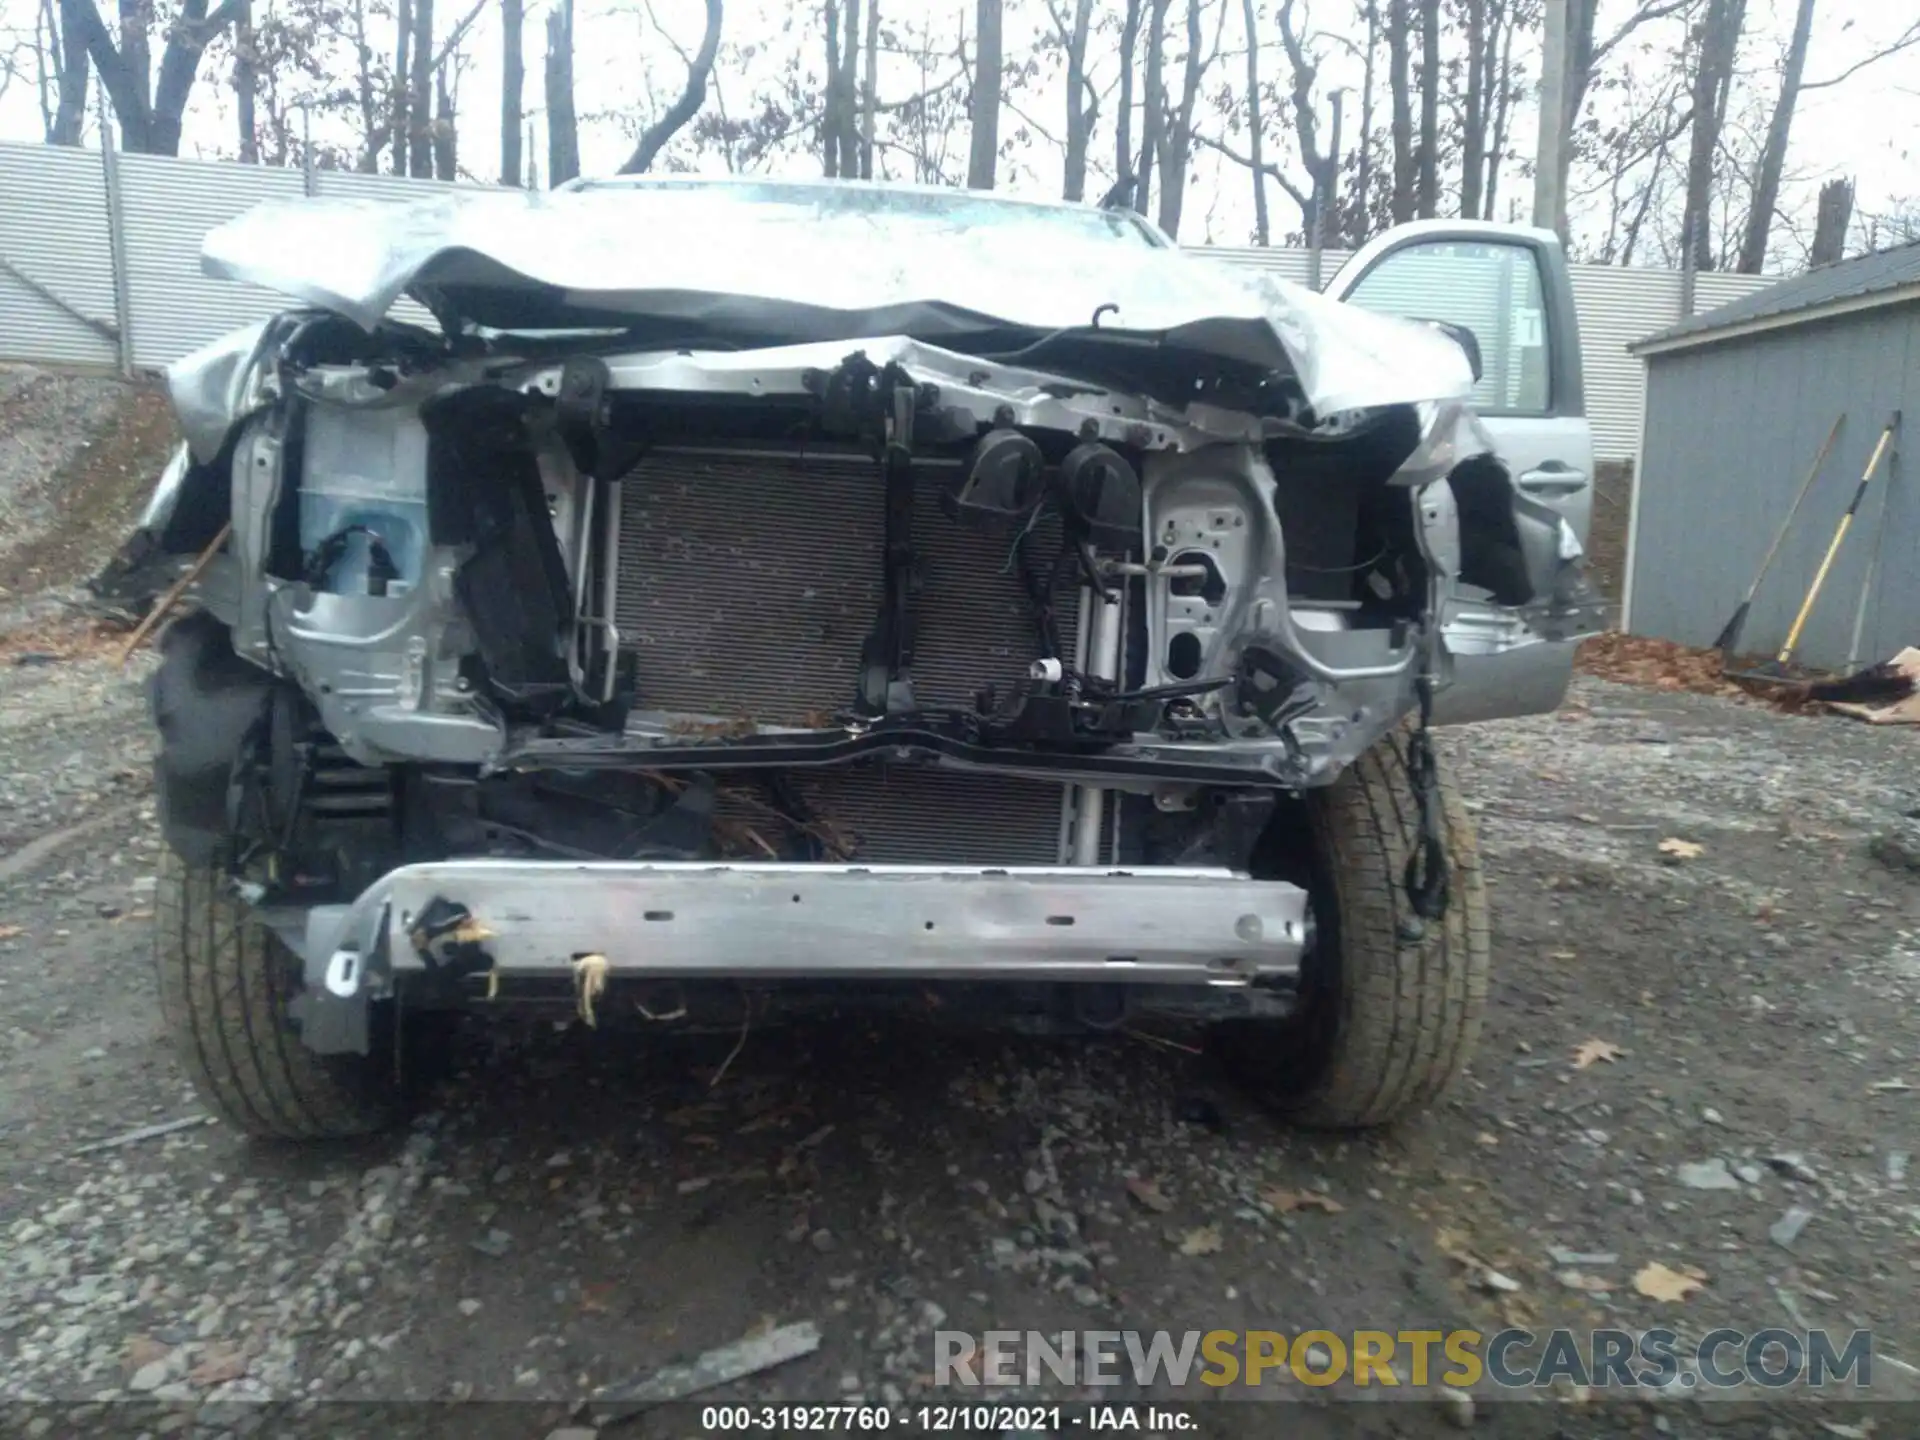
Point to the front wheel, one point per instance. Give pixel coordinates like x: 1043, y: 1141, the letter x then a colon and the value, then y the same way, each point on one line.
x: 225, y: 984
x: 1390, y: 1004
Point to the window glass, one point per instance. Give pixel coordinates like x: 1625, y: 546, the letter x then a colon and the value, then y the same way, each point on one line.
x: 1493, y: 290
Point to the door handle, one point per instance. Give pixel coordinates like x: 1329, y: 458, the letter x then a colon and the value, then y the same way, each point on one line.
x: 1553, y: 478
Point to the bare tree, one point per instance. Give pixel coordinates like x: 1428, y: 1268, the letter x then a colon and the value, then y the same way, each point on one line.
x: 446, y: 128
x: 1399, y: 85
x: 1177, y: 136
x: 1256, y: 162
x: 840, y: 134
x: 1303, y: 66
x: 1427, y: 170
x: 1083, y: 101
x: 513, y: 80
x: 1718, y: 40
x: 1506, y: 90
x: 563, y: 125
x: 1123, y: 166
x: 988, y: 70
x: 397, y: 122
x: 148, y: 107
x: 1584, y: 52
x: 64, y: 72
x: 420, y: 93
x: 1475, y: 113
x: 1363, y: 180
x: 870, y: 90
x: 1832, y: 216
x: 692, y: 96
x: 246, y: 85
x: 1773, y: 158
x: 1153, y: 102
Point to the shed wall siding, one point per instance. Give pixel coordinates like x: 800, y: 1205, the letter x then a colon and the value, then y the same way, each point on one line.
x: 1731, y: 432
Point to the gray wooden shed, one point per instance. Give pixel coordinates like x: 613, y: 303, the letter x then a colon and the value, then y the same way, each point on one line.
x: 1739, y: 400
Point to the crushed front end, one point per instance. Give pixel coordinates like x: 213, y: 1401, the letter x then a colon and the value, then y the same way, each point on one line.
x: 588, y: 672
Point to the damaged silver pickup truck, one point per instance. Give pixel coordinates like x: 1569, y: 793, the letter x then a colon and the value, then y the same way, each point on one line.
x: 733, y: 594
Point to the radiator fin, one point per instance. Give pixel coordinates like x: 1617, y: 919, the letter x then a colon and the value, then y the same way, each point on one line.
x: 748, y: 583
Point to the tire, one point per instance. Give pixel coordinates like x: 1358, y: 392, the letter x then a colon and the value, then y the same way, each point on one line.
x: 1390, y: 1004
x: 225, y: 983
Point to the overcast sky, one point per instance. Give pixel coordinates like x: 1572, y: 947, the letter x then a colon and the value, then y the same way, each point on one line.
x: 1864, y: 128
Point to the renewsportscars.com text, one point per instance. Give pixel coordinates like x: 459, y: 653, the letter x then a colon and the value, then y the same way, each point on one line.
x: 1510, y: 1359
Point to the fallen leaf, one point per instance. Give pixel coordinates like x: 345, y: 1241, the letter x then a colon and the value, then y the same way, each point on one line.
x: 1661, y: 1282
x: 8, y: 932
x: 1487, y: 1138
x: 1676, y: 850
x: 1286, y: 1201
x: 1204, y: 1241
x: 1149, y: 1194
x: 1588, y: 1051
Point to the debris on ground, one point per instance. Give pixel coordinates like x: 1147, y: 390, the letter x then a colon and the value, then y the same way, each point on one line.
x: 1287, y: 1201
x: 1784, y: 1231
x: 1588, y: 1052
x: 1673, y: 850
x: 1794, y: 1166
x: 1148, y: 1194
x: 145, y: 1132
x: 732, y: 1362
x: 1655, y: 664
x: 1662, y: 1282
x: 1706, y: 1175
x: 1883, y: 694
x: 1205, y: 1240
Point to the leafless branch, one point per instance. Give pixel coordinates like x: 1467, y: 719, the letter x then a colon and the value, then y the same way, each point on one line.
x: 1906, y: 42
x: 1658, y: 11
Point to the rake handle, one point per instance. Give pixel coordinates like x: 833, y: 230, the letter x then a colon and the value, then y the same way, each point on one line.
x: 1833, y: 549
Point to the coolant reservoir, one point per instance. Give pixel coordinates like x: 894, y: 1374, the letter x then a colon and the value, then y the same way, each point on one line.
x: 365, y: 472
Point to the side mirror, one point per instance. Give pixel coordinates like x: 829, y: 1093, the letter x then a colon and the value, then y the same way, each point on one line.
x: 1466, y: 340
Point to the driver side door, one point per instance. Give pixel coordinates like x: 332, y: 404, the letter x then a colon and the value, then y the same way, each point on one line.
x: 1510, y: 286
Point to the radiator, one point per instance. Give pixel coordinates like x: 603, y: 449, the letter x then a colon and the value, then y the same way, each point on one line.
x: 748, y: 582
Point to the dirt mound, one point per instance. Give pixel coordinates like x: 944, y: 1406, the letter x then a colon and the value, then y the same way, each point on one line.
x: 78, y: 457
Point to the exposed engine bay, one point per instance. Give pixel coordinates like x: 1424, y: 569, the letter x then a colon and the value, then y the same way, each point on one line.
x: 1071, y: 616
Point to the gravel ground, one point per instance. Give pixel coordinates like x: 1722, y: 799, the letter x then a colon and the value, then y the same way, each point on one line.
x: 78, y: 456
x: 573, y: 1208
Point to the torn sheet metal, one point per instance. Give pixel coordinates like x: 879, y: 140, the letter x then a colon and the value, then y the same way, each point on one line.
x: 792, y: 262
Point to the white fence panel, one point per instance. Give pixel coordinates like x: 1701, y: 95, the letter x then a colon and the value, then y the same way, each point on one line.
x: 53, y: 238
x: 169, y: 207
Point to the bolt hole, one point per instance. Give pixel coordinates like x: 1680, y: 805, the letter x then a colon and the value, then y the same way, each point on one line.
x: 1059, y: 919
x: 658, y: 915
x: 929, y: 924
x: 1183, y: 655
x: 796, y: 899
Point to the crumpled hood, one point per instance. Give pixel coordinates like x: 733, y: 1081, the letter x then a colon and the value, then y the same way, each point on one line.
x: 793, y: 273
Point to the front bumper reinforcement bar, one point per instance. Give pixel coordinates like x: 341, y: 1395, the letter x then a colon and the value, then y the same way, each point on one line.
x: 763, y: 922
